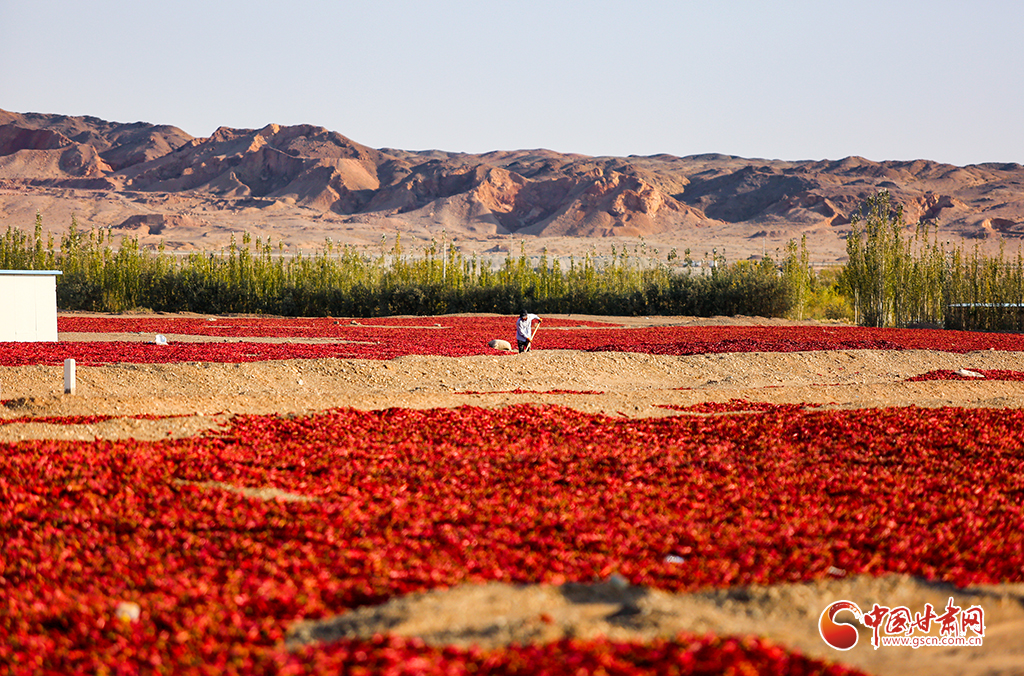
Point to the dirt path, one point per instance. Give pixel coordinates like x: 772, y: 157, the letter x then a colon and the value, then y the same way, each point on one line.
x: 637, y: 385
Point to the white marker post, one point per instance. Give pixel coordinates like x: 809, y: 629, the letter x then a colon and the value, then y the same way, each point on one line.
x: 69, y: 376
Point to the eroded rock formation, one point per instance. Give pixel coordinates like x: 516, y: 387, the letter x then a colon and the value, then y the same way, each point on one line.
x: 320, y: 174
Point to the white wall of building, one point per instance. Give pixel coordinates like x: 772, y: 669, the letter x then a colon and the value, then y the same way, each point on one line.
x: 28, y: 305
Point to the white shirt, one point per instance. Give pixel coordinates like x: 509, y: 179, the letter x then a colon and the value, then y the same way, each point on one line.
x: 524, y: 327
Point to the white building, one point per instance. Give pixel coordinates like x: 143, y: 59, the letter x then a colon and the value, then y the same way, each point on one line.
x: 28, y: 305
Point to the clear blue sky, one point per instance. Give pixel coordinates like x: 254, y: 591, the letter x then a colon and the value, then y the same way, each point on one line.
x: 791, y: 79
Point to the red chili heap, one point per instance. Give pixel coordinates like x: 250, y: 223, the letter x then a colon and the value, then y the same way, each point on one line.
x: 408, y: 500
x: 460, y: 337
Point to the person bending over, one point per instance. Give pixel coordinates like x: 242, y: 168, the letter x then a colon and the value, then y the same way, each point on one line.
x: 525, y: 330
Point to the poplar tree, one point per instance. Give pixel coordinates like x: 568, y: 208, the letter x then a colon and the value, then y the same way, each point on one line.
x: 879, y: 262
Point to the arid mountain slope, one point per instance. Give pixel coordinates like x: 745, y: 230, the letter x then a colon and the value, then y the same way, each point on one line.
x: 302, y: 184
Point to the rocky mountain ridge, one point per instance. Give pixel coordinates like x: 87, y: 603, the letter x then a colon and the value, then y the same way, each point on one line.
x: 157, y: 181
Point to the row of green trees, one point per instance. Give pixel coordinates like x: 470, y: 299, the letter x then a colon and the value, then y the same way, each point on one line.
x: 255, y: 277
x: 895, y: 277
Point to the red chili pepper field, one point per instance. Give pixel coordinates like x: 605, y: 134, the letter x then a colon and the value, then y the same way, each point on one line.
x: 194, y: 503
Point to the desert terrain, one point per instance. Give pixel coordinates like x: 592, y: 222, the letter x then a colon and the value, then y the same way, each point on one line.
x: 302, y: 185
x: 205, y: 395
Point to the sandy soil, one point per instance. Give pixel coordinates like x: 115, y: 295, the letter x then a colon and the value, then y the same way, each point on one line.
x: 639, y: 385
x: 495, y: 614
x: 202, y: 396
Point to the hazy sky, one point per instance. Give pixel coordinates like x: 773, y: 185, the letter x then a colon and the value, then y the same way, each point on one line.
x: 789, y: 79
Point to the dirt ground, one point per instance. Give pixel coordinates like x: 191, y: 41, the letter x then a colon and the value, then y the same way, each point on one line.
x: 205, y: 395
x: 496, y: 614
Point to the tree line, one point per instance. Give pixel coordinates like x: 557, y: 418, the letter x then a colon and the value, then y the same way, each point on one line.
x: 896, y: 275
x: 900, y: 275
x: 254, y: 276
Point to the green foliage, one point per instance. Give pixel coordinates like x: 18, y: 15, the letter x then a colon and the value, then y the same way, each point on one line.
x: 825, y: 300
x: 879, y: 264
x: 255, y: 277
x: 894, y: 278
x: 18, y: 251
x: 798, y: 276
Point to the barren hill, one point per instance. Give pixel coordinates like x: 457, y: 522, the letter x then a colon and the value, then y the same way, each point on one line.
x: 302, y: 184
